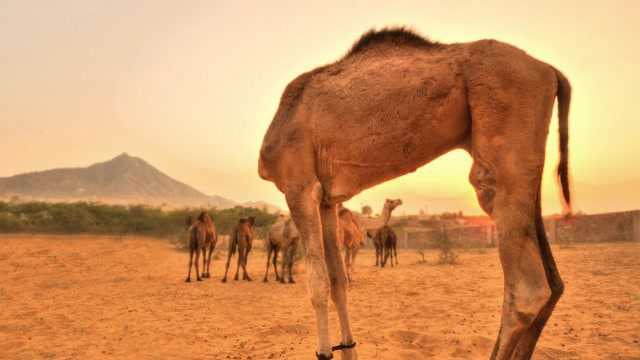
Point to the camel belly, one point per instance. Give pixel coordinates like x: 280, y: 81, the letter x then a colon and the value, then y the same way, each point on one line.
x: 385, y: 126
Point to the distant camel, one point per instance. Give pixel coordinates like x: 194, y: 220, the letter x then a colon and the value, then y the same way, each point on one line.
x: 202, y: 235
x: 384, y: 238
x: 395, y: 102
x: 283, y: 236
x: 241, y: 238
x: 388, y: 241
x: 352, y: 239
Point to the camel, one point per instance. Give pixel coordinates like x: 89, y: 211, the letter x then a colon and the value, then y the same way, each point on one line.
x: 241, y: 239
x: 395, y: 102
x: 283, y: 236
x: 386, y: 242
x: 384, y: 238
x: 352, y: 239
x: 202, y: 236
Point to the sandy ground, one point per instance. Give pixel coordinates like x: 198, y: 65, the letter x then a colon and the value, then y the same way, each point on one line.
x: 99, y: 297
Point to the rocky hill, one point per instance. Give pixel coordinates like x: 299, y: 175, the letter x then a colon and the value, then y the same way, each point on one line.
x: 125, y: 179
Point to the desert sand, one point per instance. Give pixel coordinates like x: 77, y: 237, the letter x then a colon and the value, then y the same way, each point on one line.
x: 87, y: 297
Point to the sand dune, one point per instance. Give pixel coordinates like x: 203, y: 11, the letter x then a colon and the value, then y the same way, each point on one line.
x: 124, y: 298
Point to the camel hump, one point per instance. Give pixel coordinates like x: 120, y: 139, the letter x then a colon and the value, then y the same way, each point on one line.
x: 394, y: 36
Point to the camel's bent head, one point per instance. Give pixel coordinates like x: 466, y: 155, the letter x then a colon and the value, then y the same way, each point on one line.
x: 393, y: 203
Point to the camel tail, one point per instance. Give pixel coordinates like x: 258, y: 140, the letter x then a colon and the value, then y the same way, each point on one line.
x: 564, y: 102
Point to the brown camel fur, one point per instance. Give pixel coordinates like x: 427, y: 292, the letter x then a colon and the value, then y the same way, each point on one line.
x: 202, y: 236
x: 283, y: 236
x: 352, y: 239
x: 241, y: 239
x: 395, y: 102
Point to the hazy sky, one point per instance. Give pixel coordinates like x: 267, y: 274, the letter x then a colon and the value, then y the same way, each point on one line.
x: 191, y: 86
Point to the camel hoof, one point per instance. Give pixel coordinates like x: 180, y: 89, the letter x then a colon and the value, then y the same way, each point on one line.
x: 291, y: 281
x: 199, y: 279
x: 224, y: 280
x: 188, y: 280
x: 265, y: 280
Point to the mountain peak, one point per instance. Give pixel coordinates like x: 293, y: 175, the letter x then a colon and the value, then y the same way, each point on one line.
x: 124, y: 157
x: 124, y: 179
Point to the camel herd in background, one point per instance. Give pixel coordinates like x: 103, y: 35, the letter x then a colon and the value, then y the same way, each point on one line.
x: 283, y: 238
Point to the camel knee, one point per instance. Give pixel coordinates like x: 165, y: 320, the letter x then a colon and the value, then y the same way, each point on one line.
x: 319, y: 294
x: 318, y: 282
x: 338, y: 284
x: 525, y: 303
x: 483, y: 180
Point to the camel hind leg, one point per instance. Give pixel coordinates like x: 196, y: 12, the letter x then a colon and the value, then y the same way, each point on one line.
x: 508, y: 150
x: 395, y: 250
x: 279, y: 276
x: 209, y: 255
x: 527, y: 291
x: 269, y: 251
x: 526, y: 345
x: 204, y: 262
x: 197, y: 261
x: 291, y: 255
x: 241, y: 250
x: 245, y: 260
x: 386, y: 253
x: 190, y: 263
x: 230, y: 252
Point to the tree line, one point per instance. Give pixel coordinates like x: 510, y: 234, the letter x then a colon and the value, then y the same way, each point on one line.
x: 98, y: 218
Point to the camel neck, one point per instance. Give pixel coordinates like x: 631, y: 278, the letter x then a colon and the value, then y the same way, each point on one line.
x: 386, y: 215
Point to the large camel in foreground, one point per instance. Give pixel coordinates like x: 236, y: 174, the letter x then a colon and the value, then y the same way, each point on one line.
x: 352, y: 239
x: 283, y: 236
x: 395, y: 102
x: 202, y: 236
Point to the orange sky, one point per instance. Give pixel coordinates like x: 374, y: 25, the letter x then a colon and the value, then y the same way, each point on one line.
x: 192, y: 86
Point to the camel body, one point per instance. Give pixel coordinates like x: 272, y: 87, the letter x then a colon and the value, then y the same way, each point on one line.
x: 202, y: 237
x: 283, y: 237
x: 395, y: 102
x: 241, y: 240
